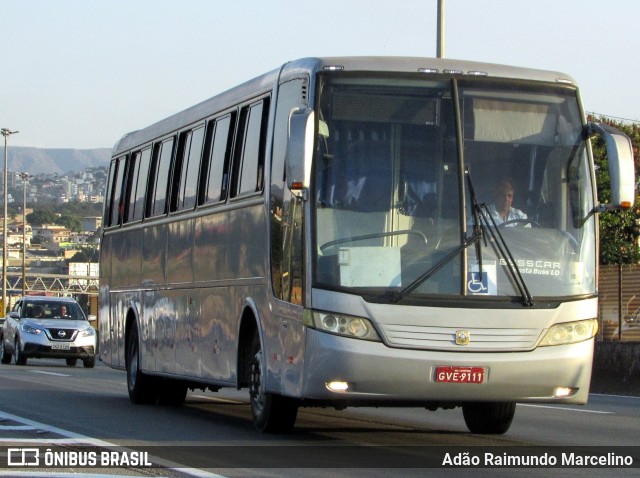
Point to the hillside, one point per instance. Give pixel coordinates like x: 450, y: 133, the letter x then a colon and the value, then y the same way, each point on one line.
x: 51, y: 161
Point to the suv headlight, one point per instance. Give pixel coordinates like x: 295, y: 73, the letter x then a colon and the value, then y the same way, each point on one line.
x: 29, y: 329
x: 341, y: 324
x: 570, y: 332
x: 87, y: 332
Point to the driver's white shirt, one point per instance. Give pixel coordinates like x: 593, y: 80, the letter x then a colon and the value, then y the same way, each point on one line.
x: 513, y: 215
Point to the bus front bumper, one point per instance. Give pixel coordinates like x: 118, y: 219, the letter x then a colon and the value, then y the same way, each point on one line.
x: 375, y: 375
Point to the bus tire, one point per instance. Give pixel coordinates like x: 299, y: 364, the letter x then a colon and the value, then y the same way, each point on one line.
x: 271, y: 413
x: 142, y: 388
x: 488, y: 418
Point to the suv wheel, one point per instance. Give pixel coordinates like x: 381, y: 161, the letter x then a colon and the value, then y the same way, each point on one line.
x: 5, y: 357
x: 21, y: 359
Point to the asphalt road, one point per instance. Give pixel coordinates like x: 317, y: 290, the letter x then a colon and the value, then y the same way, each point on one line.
x: 46, y: 403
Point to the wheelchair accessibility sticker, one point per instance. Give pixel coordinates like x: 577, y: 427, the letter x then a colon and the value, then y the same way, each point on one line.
x: 482, y: 284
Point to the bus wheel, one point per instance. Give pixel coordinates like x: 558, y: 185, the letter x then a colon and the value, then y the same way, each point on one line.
x: 142, y: 388
x: 271, y: 413
x: 489, y: 418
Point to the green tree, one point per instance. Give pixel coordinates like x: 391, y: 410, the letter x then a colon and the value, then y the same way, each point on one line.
x: 41, y: 216
x: 87, y: 254
x: 70, y: 221
x: 619, y: 230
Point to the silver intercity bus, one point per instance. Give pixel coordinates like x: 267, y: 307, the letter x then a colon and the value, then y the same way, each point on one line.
x: 362, y: 232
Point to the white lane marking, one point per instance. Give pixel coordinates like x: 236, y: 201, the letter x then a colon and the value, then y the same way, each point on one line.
x: 51, y: 373
x: 77, y: 438
x: 564, y: 408
x: 614, y: 396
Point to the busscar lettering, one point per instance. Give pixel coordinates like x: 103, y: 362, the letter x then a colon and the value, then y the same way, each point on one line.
x: 536, y: 266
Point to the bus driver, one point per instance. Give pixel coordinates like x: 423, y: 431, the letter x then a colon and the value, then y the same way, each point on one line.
x: 501, y: 210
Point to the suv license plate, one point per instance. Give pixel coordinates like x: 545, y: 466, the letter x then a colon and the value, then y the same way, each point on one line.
x: 460, y: 374
x: 60, y: 347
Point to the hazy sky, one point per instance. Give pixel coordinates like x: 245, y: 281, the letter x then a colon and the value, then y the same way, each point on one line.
x: 81, y: 73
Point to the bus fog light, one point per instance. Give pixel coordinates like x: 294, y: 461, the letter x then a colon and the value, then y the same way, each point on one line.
x: 337, y: 386
x: 563, y: 392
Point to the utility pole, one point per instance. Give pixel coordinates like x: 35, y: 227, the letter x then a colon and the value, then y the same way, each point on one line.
x: 25, y: 178
x: 6, y: 133
x: 441, y: 34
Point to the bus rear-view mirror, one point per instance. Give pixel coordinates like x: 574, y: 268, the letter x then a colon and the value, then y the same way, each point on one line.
x: 300, y: 149
x: 621, y: 168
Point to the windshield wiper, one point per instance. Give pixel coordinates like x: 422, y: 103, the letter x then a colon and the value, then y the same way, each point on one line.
x: 481, y: 215
x: 475, y: 238
x: 397, y: 296
x: 501, y: 247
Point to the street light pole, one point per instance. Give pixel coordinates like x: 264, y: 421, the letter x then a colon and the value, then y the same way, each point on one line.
x: 6, y: 133
x: 25, y: 177
x: 440, y: 33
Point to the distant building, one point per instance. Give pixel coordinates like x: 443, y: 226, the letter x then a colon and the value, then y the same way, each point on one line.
x: 52, y: 233
x: 91, y: 223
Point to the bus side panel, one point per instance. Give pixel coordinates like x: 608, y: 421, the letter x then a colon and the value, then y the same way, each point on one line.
x: 154, y: 244
x: 180, y: 252
x: 211, y: 248
x: 229, y: 267
x: 105, y: 334
x: 212, y: 353
x: 231, y: 245
x: 126, y: 259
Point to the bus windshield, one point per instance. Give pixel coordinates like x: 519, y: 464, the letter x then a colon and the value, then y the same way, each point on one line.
x: 469, y: 187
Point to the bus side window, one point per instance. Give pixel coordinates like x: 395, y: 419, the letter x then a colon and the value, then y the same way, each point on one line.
x: 108, y: 209
x: 187, y: 169
x: 159, y: 183
x: 215, y: 172
x: 117, y: 203
x: 129, y: 195
x: 141, y: 185
x: 249, y: 159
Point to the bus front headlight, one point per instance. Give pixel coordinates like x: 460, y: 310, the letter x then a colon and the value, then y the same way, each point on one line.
x: 570, y: 332
x: 341, y: 324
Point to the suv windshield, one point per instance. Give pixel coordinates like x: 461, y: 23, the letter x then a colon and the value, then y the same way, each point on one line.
x: 50, y: 310
x: 396, y: 161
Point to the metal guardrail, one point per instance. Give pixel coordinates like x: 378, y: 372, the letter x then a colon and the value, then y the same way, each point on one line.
x: 52, y: 283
